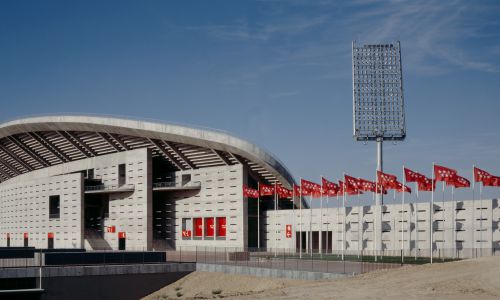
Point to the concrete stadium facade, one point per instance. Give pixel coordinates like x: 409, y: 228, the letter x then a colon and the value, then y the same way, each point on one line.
x: 108, y: 183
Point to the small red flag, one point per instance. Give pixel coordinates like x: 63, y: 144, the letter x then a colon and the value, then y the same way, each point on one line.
x: 296, y: 190
x: 283, y: 192
x: 402, y: 188
x: 367, y: 185
x: 309, y: 188
x: 459, y: 182
x: 444, y: 174
x: 493, y: 181
x: 266, y: 190
x: 481, y: 175
x: 426, y: 185
x: 412, y: 176
x: 387, y: 181
x: 249, y: 192
x: 329, y: 188
x: 351, y: 184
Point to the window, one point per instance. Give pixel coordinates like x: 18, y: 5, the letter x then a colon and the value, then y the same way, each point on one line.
x: 221, y: 227
x: 121, y: 174
x: 209, y: 227
x: 186, y: 229
x: 198, y: 227
x: 54, y: 210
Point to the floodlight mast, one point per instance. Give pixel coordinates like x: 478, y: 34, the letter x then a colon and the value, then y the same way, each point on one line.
x: 378, y: 102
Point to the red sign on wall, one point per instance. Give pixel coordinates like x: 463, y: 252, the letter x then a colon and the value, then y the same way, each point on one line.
x: 122, y: 235
x: 186, y: 233
x: 210, y: 226
x: 50, y: 235
x: 198, y: 226
x: 288, y: 231
x: 25, y: 235
x: 221, y: 226
x: 111, y: 229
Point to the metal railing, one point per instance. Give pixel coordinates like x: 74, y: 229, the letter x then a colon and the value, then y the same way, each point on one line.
x: 174, y: 184
x: 104, y: 187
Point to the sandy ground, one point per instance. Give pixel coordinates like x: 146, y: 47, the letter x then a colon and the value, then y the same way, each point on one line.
x: 468, y: 279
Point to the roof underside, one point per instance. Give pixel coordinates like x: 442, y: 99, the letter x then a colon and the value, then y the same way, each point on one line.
x: 28, y: 151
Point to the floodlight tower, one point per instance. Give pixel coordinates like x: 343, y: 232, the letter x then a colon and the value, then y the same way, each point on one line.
x: 377, y: 96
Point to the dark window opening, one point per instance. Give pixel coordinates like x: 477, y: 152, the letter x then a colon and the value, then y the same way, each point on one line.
x: 54, y: 210
x: 121, y: 175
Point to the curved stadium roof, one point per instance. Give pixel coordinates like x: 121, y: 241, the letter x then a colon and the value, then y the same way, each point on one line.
x: 34, y: 143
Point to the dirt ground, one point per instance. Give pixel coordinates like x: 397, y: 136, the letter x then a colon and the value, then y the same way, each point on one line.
x: 468, y: 279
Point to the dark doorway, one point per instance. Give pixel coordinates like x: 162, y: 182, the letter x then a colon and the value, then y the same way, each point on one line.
x: 50, y: 244
x: 121, y: 243
x: 8, y: 240
x: 26, y: 243
x: 315, y: 241
x: 297, y: 240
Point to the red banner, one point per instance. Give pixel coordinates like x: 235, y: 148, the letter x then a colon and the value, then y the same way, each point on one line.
x: 198, y: 226
x: 186, y: 233
x: 122, y: 235
x: 50, y: 235
x: 283, y: 192
x: 288, y: 231
x: 209, y: 222
x: 249, y: 192
x: 111, y: 229
x: 221, y: 226
x: 266, y: 190
x: 25, y: 235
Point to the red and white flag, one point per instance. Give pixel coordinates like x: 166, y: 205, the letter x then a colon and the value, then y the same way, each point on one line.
x: 412, y: 176
x: 249, y: 192
x: 402, y: 188
x: 367, y: 185
x: 343, y: 189
x: 493, y: 181
x: 296, y: 190
x: 444, y: 174
x: 283, y: 192
x: 352, y: 184
x: 387, y: 181
x: 266, y: 190
x: 481, y: 175
x: 427, y: 185
x: 459, y: 182
x: 309, y: 188
x: 329, y: 188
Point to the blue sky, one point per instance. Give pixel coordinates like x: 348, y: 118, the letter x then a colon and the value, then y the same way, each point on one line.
x: 277, y: 73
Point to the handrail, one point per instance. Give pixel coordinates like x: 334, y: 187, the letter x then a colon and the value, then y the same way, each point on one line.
x: 104, y: 187
x: 176, y: 184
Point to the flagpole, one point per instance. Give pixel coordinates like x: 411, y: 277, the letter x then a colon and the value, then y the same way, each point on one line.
x: 258, y: 217
x: 444, y: 217
x: 360, y: 238
x: 431, y: 213
x: 454, y: 210
x: 327, y: 224
x: 375, y: 219
x: 402, y: 217
x: 394, y: 222
x: 473, y: 213
x: 343, y: 221
x: 374, y: 197
x: 321, y: 222
x: 293, y: 212
x: 481, y: 217
x: 300, y: 211
x: 416, y: 220
x: 276, y: 216
x: 310, y: 235
x: 337, y: 224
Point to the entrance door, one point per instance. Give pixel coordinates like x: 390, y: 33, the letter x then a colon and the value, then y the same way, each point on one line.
x: 121, y: 241
x: 26, y: 243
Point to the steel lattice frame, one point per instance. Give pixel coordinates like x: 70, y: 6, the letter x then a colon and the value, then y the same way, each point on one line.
x: 378, y: 103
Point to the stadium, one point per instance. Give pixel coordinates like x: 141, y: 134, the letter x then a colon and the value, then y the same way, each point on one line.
x: 103, y: 183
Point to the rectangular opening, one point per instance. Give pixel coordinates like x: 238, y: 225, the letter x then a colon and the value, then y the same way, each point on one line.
x: 221, y: 227
x: 186, y: 178
x: 198, y: 227
x: 54, y: 210
x: 50, y: 240
x: 209, y: 227
x: 122, y: 174
x: 187, y: 228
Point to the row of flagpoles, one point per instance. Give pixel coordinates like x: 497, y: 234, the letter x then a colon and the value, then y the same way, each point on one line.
x: 356, y: 186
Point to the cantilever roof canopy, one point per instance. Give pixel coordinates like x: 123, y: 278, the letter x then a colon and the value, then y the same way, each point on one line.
x: 35, y: 143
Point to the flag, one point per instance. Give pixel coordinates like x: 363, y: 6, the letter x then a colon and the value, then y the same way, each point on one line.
x: 481, y: 175
x: 283, y: 192
x: 351, y: 184
x: 309, y: 188
x: 493, y: 181
x: 266, y: 190
x: 296, y: 190
x: 459, y: 182
x: 387, y: 181
x: 412, y: 176
x: 426, y: 185
x: 367, y: 186
x: 402, y: 188
x: 343, y: 189
x: 329, y: 188
x: 249, y: 192
x: 444, y: 174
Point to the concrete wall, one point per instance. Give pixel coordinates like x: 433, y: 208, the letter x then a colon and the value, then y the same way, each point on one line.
x: 471, y: 224
x: 24, y: 208
x: 220, y: 196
